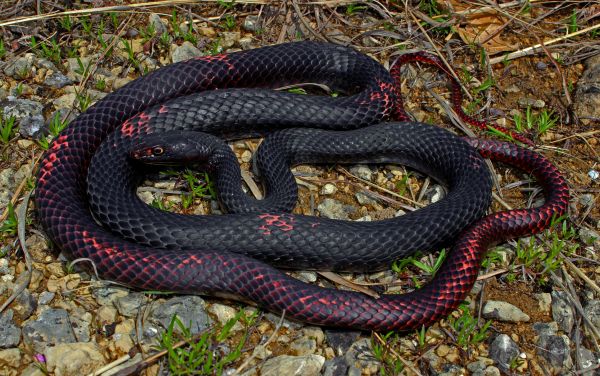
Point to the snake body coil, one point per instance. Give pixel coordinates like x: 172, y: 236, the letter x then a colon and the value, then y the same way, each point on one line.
x: 174, y: 257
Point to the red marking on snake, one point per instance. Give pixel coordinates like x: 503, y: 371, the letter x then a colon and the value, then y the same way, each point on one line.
x: 135, y: 124
x: 275, y: 221
x: 47, y: 167
x: 127, y: 128
x: 217, y: 58
x: 163, y: 109
x: 60, y: 143
x: 94, y: 243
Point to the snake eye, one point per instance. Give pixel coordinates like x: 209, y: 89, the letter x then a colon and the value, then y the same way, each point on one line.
x: 157, y: 150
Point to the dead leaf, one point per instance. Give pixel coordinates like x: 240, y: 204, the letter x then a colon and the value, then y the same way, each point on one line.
x: 480, y: 27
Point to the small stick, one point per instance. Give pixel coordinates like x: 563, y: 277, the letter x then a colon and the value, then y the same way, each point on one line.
x: 533, y: 49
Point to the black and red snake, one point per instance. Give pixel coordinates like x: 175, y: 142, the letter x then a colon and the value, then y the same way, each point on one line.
x: 141, y: 252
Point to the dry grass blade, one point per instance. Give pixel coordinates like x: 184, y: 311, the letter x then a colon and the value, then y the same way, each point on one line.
x: 334, y: 277
x: 538, y: 47
x: 24, y: 282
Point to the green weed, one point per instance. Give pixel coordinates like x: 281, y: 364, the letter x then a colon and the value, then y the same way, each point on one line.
x: 2, y: 49
x: 7, y: 128
x: 50, y: 49
x: 226, y: 4
x: 297, y: 90
x: 430, y: 268
x: 402, y: 184
x: 66, y: 23
x: 86, y: 24
x: 382, y: 348
x: 205, y: 353
x: 353, y: 8
x: 540, y: 123
x: 19, y: 89
x: 544, y: 256
x: 57, y: 124
x: 200, y: 184
x: 466, y: 328
x: 148, y: 33
x: 573, y: 26
x: 228, y: 22
x: 84, y: 101
x: 10, y: 224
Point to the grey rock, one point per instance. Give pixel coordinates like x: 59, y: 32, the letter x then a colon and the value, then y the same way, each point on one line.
x: 10, y: 333
x: 306, y: 276
x: 328, y: 189
x: 185, y: 52
x: 434, y: 361
x: 129, y: 305
x: 7, y: 184
x: 364, y: 198
x: 503, y: 311
x: 592, y: 312
x: 225, y: 313
x: 589, y: 237
x: 435, y: 193
x: 57, y: 80
x: 544, y: 302
x: 20, y: 67
x: 251, y: 23
x: 246, y: 43
x: 32, y: 370
x: 46, y: 297
x: 4, y: 266
x: 293, y: 365
x: 230, y: 38
x: 530, y: 102
x: 545, y: 328
x: 340, y: 339
x: 46, y: 64
x: 504, y: 350
x: 555, y: 349
x: 489, y: 371
x: 334, y: 209
x: 31, y: 126
x: 108, y: 295
x: 74, y: 66
x: 51, y: 327
x: 587, y: 95
x: 72, y: 359
x: 562, y: 312
x: 304, y: 346
x: 189, y: 309
x: 453, y: 370
x: 159, y: 26
x: 587, y: 360
x: 314, y: 332
x: 587, y: 199
x: 25, y: 304
x: 80, y: 322
x: 480, y: 365
x: 541, y: 65
x: 21, y: 108
x: 360, y: 355
x: 362, y: 171
x: 335, y: 367
x: 10, y: 358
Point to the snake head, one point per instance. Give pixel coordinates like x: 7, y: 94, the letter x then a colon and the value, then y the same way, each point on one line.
x: 174, y: 148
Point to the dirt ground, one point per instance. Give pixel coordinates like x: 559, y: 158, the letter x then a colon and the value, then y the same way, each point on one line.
x: 545, y: 93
